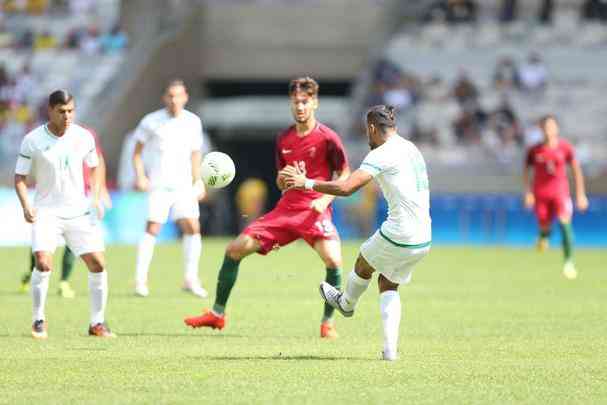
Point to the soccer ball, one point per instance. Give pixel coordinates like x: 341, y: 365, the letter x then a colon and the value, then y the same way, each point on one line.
x: 217, y: 170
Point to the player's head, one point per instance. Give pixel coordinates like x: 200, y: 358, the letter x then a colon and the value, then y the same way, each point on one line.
x: 303, y: 93
x: 550, y: 128
x: 175, y: 96
x: 380, y: 123
x: 61, y: 109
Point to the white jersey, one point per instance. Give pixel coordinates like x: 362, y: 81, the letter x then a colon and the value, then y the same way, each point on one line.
x: 56, y: 164
x: 399, y: 168
x: 169, y: 143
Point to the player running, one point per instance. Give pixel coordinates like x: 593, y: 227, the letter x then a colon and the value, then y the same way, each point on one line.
x: 173, y: 138
x: 550, y: 195
x: 68, y: 261
x: 300, y: 214
x: 402, y: 240
x: 54, y: 154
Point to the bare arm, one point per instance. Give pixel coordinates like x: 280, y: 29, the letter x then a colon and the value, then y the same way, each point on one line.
x: 21, y: 189
x: 321, y: 203
x: 580, y: 187
x: 141, y: 181
x: 197, y: 175
x: 343, y: 187
x: 103, y: 191
x: 528, y: 194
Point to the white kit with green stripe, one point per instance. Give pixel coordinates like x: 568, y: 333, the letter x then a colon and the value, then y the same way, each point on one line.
x: 400, y: 169
x: 55, y: 163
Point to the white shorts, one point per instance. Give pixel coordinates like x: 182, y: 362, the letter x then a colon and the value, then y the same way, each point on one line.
x: 82, y: 234
x: 394, y: 261
x: 180, y: 203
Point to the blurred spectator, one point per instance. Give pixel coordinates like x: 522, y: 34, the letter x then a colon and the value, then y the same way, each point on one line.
x: 546, y: 12
x: 533, y: 135
x: 468, y: 126
x: 464, y: 90
x: 251, y: 199
x: 533, y: 75
x: 46, y: 40
x: 508, y: 11
x: 115, y: 40
x: 505, y: 76
x: 90, y: 43
x: 387, y: 72
x: 505, y: 124
x: 74, y: 37
x: 26, y: 41
x: 452, y: 11
x: 595, y: 10
x: 24, y: 85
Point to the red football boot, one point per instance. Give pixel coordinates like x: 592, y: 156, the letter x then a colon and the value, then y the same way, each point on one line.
x: 208, y: 319
x: 327, y: 331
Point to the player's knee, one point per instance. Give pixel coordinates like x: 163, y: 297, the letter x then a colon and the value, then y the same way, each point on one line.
x: 96, y: 265
x: 235, y: 250
x: 333, y: 262
x: 386, y: 285
x: 43, y: 265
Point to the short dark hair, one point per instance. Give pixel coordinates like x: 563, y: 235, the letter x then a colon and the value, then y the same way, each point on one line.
x: 59, y: 97
x: 304, y: 84
x: 382, y: 116
x: 545, y: 118
x: 174, y: 83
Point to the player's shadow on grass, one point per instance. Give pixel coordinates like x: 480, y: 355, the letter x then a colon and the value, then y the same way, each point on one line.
x: 285, y: 357
x: 184, y: 334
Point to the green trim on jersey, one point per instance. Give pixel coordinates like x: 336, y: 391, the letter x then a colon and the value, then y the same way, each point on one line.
x: 370, y: 165
x: 418, y: 246
x: 23, y: 156
x: 77, y: 216
x: 49, y: 133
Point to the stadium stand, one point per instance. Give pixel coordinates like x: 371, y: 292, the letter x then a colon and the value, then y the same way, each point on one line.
x: 471, y: 89
x: 45, y: 45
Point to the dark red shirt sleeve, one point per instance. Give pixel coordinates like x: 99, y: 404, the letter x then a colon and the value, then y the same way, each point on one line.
x: 280, y: 162
x: 569, y: 153
x: 530, y: 157
x: 336, y: 153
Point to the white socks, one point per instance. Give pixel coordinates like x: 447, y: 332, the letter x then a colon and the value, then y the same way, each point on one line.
x: 39, y: 285
x: 98, y: 291
x: 192, y: 247
x: 390, y: 308
x: 355, y: 287
x: 145, y: 251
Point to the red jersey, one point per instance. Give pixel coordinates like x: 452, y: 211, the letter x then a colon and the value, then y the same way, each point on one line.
x: 319, y: 154
x: 550, y: 168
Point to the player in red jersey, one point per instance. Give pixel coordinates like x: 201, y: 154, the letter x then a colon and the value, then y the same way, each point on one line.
x: 300, y: 214
x: 550, y: 195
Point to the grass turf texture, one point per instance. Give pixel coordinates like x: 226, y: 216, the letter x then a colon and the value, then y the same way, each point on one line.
x: 480, y: 326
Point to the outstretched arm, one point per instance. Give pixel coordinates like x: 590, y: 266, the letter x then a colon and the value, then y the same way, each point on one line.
x: 294, y: 178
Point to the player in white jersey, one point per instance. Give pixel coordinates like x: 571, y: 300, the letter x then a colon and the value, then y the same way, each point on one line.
x: 402, y: 240
x: 172, y: 138
x: 54, y: 154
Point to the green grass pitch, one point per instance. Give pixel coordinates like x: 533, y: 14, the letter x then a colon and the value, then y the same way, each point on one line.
x: 480, y: 325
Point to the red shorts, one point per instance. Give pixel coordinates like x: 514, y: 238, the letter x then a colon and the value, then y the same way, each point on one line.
x: 546, y: 209
x: 281, y: 226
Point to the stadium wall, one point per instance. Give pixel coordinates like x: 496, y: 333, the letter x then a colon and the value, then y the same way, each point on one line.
x: 471, y: 219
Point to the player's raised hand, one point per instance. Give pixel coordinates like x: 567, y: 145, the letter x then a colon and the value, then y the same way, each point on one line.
x: 29, y: 214
x: 581, y: 202
x: 529, y: 200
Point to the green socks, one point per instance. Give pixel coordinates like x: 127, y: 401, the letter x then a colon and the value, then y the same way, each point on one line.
x: 225, y: 281
x: 567, y: 234
x: 544, y: 234
x: 334, y: 278
x: 67, y: 264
